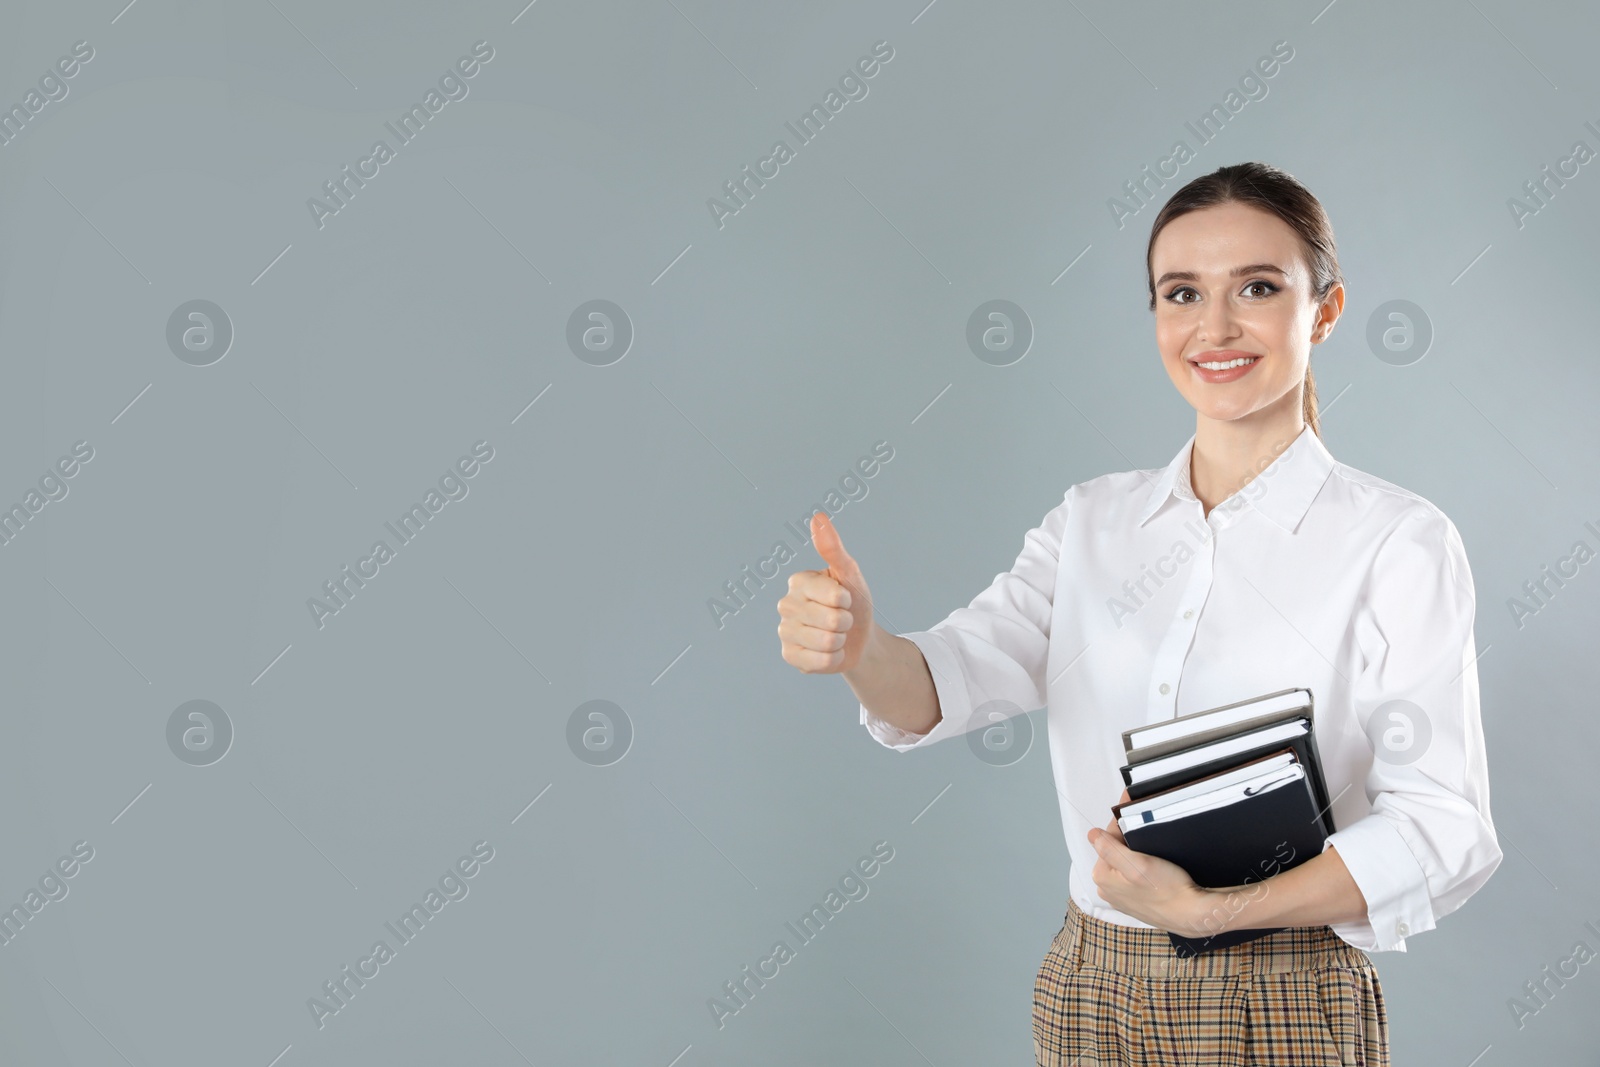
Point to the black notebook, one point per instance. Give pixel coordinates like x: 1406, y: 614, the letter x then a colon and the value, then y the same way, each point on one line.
x: 1233, y: 795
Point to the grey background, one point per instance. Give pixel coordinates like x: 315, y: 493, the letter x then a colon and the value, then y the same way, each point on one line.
x: 827, y: 315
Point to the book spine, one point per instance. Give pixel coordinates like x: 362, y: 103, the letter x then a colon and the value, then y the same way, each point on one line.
x: 1312, y: 759
x: 1206, y: 737
x: 1130, y: 738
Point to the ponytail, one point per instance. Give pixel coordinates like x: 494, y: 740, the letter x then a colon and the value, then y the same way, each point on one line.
x: 1309, y: 404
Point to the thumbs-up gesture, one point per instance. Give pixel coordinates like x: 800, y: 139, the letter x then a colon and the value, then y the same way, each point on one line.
x: 826, y: 617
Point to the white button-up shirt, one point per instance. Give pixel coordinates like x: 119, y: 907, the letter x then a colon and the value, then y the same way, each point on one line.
x: 1129, y: 605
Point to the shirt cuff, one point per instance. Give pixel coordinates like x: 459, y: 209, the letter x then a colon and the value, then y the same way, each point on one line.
x: 955, y: 706
x: 1390, y: 878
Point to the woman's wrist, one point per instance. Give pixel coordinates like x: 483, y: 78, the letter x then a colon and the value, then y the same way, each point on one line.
x: 1208, y: 912
x: 870, y: 664
x: 892, y: 680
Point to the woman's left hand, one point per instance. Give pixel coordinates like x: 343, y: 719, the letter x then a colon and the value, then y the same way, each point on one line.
x: 1151, y: 889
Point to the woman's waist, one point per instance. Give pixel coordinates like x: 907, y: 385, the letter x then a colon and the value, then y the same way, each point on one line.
x: 1111, y: 940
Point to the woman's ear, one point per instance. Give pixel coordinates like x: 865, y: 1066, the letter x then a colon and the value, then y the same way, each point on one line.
x: 1328, y: 316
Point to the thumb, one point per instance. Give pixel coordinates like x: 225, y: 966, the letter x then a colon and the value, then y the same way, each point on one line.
x: 1116, y: 854
x: 840, y: 563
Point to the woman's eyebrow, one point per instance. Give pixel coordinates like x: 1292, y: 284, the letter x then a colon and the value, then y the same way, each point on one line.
x: 1191, y: 276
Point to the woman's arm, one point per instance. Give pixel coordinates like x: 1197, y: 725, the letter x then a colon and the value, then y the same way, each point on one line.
x: 893, y: 682
x: 983, y: 663
x: 1428, y: 843
x: 1317, y: 892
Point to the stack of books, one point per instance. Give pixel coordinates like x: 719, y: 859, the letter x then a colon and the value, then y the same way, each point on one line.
x: 1233, y: 795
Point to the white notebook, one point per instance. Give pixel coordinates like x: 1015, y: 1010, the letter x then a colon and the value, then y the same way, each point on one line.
x: 1178, y: 761
x: 1216, y: 781
x: 1262, y: 782
x: 1212, y: 718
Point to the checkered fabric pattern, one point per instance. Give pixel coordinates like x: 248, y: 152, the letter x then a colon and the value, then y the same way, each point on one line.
x: 1120, y: 996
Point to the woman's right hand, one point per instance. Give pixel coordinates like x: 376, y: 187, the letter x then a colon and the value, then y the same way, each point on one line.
x: 826, y: 617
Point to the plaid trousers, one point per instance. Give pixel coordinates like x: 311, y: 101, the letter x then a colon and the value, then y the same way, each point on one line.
x: 1109, y: 995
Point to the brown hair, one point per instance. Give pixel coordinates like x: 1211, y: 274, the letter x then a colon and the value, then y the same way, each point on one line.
x: 1263, y: 186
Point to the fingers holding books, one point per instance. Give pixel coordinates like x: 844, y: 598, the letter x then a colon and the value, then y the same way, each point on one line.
x: 1149, y: 888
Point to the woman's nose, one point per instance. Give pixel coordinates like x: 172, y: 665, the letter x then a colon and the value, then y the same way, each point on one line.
x: 1217, y: 321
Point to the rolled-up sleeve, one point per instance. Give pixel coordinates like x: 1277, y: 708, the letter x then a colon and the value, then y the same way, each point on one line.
x: 988, y: 658
x: 1428, y: 843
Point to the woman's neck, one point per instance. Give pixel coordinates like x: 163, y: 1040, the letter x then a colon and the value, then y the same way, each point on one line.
x: 1228, y: 455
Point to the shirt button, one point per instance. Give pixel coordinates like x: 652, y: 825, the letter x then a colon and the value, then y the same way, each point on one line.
x: 1402, y: 929
x: 1188, y: 614
x: 1164, y: 688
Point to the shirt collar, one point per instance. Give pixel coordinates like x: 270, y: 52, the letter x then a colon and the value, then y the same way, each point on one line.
x: 1283, y: 491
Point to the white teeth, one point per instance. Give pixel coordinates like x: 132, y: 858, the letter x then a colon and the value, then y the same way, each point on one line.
x: 1231, y: 363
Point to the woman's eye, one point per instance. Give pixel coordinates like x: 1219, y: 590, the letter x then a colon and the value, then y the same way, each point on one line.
x: 1177, y: 295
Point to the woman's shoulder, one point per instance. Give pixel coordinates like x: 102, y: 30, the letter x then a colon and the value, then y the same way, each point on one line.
x: 1393, y: 513
x: 1113, y: 489
x: 1379, y: 495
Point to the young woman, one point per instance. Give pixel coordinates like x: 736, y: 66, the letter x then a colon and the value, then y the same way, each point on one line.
x: 1252, y: 562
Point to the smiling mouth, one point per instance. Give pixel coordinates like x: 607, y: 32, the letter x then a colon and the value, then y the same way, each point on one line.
x: 1226, y: 364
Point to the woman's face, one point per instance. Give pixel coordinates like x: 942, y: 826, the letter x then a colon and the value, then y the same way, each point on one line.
x: 1232, y: 283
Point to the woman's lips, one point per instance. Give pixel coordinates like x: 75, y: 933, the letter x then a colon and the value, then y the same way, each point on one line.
x: 1217, y: 377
